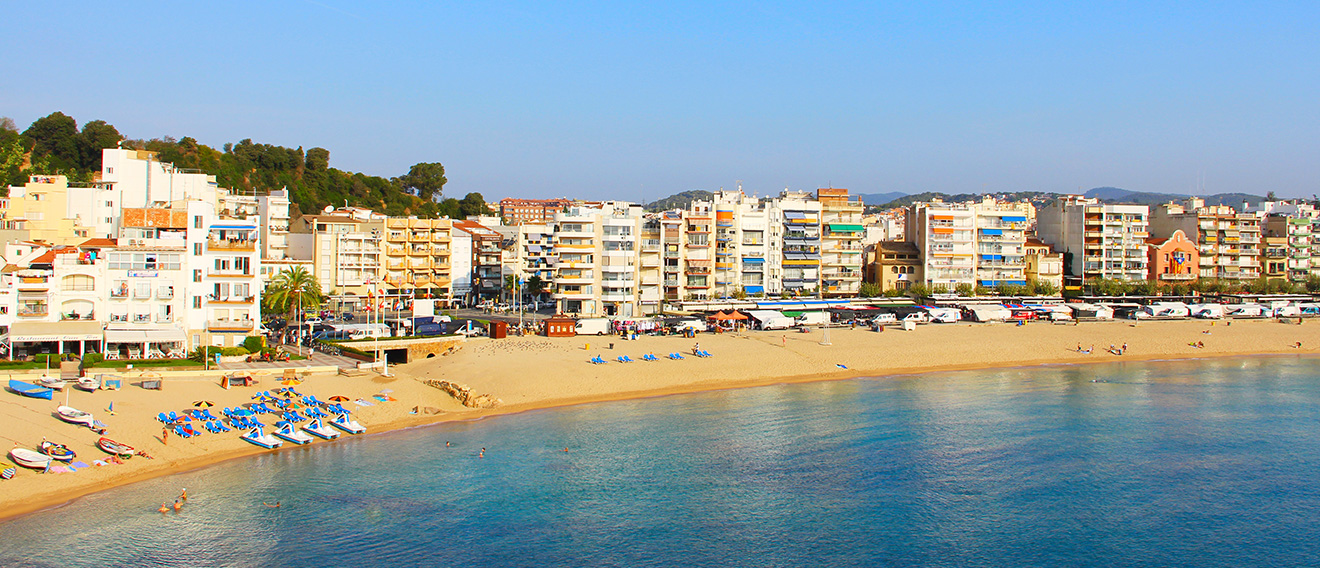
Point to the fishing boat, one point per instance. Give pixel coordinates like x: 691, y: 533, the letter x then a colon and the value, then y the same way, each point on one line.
x: 75, y: 416
x: 52, y: 382
x: 112, y: 447
x: 29, y: 389
x: 320, y: 430
x: 59, y: 452
x: 287, y: 432
x: 260, y: 438
x: 89, y: 384
x: 29, y: 458
x: 343, y: 422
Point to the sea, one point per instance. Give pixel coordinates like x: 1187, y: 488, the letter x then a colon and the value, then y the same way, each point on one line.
x: 1182, y: 463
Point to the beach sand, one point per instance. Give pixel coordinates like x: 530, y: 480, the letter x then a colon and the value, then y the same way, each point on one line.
x: 536, y: 372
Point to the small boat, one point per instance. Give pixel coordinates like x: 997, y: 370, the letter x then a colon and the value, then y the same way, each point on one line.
x: 89, y: 384
x: 30, y: 459
x: 316, y: 428
x: 59, y: 452
x: 260, y: 438
x: 343, y: 422
x: 286, y: 432
x: 112, y: 447
x: 75, y: 416
x: 52, y: 382
x: 29, y: 389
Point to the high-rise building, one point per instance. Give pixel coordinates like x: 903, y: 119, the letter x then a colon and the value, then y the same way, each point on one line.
x: 1097, y: 240
x: 841, y: 242
x: 1228, y: 241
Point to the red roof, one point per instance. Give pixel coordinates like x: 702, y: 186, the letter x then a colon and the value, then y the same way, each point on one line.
x: 98, y: 243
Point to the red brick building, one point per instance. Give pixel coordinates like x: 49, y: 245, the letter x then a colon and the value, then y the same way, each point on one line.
x: 519, y: 211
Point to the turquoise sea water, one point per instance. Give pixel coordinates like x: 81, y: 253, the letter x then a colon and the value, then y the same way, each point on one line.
x: 1201, y: 463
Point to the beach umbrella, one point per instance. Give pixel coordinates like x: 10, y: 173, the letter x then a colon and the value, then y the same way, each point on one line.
x: 338, y: 398
x: 203, y: 404
x: 291, y: 382
x: 288, y: 394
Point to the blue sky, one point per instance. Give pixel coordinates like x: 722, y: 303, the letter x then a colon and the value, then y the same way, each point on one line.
x: 610, y: 100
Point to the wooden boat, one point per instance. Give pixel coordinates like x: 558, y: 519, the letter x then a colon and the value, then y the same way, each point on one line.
x: 75, y: 416
x: 30, y: 459
x: 287, y: 432
x: 89, y: 384
x: 260, y: 438
x: 112, y: 447
x: 59, y: 452
x: 52, y: 382
x: 31, y: 390
x: 343, y: 422
x: 320, y: 430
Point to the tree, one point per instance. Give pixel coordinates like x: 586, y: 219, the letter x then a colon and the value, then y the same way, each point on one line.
x: 1269, y: 196
x: 291, y: 289
x: 318, y: 159
x: 1313, y: 283
x: 426, y: 179
x: 1045, y: 288
x: 964, y: 289
x: 471, y: 205
x: 918, y: 291
x: 534, y: 286
x: 55, y: 135
x: 868, y: 290
x: 98, y: 135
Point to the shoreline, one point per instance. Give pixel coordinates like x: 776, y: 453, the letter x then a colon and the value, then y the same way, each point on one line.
x: 409, y: 422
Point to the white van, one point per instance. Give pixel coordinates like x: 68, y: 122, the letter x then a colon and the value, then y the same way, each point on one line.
x: 770, y: 319
x: 1206, y: 311
x: 885, y: 319
x: 813, y: 318
x: 945, y: 315
x: 692, y: 324
x: 593, y: 326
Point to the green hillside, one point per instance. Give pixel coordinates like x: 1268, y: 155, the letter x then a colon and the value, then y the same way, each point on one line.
x: 55, y: 145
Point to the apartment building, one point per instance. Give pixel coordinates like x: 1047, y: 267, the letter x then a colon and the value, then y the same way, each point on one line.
x: 536, y: 211
x: 418, y: 256
x: 348, y: 252
x: 600, y: 269
x: 528, y: 251
x: 798, y: 231
x: 1043, y: 264
x: 1228, y: 241
x: 1174, y: 259
x: 273, y: 208
x: 47, y: 209
x: 1291, y: 241
x: 1097, y: 240
x: 486, y: 277
x: 894, y: 265
x: 841, y: 242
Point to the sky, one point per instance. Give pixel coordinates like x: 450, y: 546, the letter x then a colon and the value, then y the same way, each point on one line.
x: 609, y: 100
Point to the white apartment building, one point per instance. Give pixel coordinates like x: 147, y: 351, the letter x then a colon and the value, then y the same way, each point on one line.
x: 841, y: 242
x: 274, y: 211
x: 598, y: 268
x: 1097, y: 240
x: 796, y: 229
x: 974, y: 243
x: 1229, y: 242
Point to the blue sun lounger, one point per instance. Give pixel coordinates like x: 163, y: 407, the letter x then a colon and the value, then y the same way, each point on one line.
x: 676, y: 356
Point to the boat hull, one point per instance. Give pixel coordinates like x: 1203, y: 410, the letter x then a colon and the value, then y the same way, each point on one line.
x: 57, y: 452
x: 348, y: 425
x: 322, y: 432
x: 294, y: 438
x: 31, y: 390
x: 112, y: 447
x: 75, y: 416
x: 30, y: 459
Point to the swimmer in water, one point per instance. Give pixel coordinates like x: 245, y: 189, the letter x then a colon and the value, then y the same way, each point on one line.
x: 184, y: 496
x: 164, y: 507
x: 275, y: 506
x: 177, y: 505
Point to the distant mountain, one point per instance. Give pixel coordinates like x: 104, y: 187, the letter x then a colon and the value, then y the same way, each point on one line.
x: 880, y: 198
x: 1120, y: 195
x: 678, y: 200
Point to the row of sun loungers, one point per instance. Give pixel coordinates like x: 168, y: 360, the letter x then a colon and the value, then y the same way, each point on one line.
x: 598, y: 360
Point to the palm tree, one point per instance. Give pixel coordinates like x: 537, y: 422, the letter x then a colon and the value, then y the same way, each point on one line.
x: 291, y: 289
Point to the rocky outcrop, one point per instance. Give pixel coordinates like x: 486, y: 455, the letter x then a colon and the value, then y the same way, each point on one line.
x: 464, y: 394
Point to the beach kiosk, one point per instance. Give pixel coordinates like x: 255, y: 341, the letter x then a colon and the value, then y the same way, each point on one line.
x: 560, y: 326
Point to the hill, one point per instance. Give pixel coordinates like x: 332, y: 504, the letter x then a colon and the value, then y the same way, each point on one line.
x: 54, y: 145
x: 678, y: 200
x: 880, y: 198
x: 1119, y: 195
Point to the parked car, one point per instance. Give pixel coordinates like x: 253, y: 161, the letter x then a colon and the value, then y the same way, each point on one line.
x: 346, y: 316
x: 312, y: 321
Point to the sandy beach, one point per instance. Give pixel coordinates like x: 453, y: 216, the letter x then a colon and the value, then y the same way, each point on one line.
x: 535, y: 372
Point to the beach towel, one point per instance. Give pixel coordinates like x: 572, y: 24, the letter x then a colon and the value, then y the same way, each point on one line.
x: 8, y: 473
x: 79, y: 465
x: 361, y: 402
x: 99, y: 462
x: 59, y: 469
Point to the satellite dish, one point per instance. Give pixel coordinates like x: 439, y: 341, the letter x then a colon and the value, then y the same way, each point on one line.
x: 329, y: 208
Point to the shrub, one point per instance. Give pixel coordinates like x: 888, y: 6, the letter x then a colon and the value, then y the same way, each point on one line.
x: 254, y: 344
x: 233, y: 351
x: 92, y: 359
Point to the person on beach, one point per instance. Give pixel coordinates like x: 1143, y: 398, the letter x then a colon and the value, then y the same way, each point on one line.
x: 696, y: 348
x: 1123, y: 350
x: 165, y: 436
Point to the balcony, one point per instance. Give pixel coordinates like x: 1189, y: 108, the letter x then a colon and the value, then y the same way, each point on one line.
x: 242, y: 245
x: 396, y: 236
x: 213, y: 299
x: 33, y: 310
x: 231, y: 273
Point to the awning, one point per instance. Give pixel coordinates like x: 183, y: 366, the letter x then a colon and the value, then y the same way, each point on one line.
x: 125, y: 336
x: 232, y: 227
x: 992, y: 231
x: 1015, y: 219
x: 794, y: 215
x: 165, y: 335
x: 534, y: 248
x: 55, y: 331
x: 846, y: 228
x: 752, y: 260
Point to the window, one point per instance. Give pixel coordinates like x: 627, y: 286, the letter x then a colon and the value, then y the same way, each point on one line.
x: 109, y: 204
x: 78, y: 283
x: 197, y: 249
x: 197, y: 275
x: 145, y: 261
x: 109, y: 170
x: 197, y: 302
x: 197, y: 221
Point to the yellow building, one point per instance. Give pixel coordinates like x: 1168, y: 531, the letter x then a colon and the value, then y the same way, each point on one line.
x: 39, y: 211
